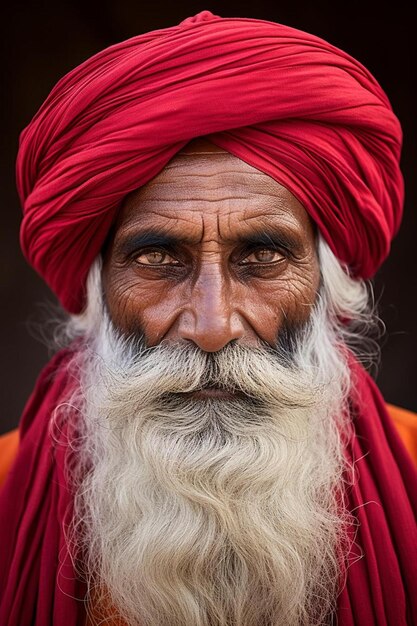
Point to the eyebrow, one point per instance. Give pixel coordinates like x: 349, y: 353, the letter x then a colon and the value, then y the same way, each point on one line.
x: 272, y: 238
x: 267, y: 237
x: 150, y: 238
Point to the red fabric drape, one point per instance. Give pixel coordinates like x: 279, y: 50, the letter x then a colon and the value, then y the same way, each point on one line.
x: 39, y: 587
x: 286, y: 102
x: 37, y: 580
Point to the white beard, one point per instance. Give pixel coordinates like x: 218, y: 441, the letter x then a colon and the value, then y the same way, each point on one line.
x: 213, y: 512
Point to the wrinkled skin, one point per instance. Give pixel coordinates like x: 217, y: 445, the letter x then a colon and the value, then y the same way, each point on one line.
x: 207, y: 284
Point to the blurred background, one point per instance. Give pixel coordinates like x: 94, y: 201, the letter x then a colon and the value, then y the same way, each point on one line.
x: 44, y: 40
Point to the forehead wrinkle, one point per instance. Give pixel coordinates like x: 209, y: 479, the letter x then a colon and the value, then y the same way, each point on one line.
x: 162, y: 191
x: 236, y: 167
x: 233, y: 207
x: 197, y: 228
x: 234, y: 164
x: 157, y: 201
x: 267, y: 212
x: 198, y: 172
x: 238, y: 180
x: 165, y: 223
x: 181, y: 194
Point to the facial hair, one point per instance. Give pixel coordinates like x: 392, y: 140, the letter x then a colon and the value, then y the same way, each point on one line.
x: 213, y: 512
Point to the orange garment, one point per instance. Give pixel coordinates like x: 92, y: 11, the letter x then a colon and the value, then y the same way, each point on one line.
x: 406, y: 423
x: 8, y: 449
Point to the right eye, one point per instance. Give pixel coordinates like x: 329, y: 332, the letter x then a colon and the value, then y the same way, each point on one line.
x: 155, y: 257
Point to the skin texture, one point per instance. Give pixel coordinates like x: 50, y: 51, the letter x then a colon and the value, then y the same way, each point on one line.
x: 211, y: 286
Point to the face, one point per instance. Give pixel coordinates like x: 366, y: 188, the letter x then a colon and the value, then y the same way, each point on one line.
x: 211, y: 251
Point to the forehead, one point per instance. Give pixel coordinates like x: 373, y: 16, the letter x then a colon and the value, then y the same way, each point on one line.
x: 204, y: 185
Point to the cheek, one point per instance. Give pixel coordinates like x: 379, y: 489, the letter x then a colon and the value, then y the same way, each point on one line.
x: 300, y: 292
x: 269, y: 305
x: 136, y: 305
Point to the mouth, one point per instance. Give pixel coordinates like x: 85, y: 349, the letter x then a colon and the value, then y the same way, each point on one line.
x: 213, y: 392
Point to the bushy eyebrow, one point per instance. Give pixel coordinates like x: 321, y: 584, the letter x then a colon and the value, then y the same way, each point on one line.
x: 273, y: 238
x: 267, y: 237
x: 150, y: 238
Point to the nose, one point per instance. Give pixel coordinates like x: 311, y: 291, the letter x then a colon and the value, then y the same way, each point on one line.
x: 210, y: 319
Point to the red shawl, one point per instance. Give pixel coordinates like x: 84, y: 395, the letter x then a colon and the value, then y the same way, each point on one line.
x: 37, y: 580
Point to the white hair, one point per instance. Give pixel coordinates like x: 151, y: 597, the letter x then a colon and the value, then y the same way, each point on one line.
x: 351, y: 307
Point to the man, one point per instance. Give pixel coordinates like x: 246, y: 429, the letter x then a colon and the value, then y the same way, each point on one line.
x: 207, y: 202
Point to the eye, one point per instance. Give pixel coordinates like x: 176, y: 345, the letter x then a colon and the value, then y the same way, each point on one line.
x: 263, y: 255
x: 155, y: 257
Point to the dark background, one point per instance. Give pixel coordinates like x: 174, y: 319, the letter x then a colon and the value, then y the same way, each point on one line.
x: 44, y: 40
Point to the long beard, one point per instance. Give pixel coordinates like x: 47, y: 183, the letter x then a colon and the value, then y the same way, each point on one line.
x: 214, y: 512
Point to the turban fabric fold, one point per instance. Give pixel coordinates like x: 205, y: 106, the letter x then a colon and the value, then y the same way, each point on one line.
x: 286, y: 102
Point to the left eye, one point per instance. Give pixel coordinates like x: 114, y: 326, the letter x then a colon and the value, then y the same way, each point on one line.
x: 155, y: 257
x: 265, y: 255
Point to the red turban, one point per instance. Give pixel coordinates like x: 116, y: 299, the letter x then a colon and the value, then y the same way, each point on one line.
x: 284, y: 101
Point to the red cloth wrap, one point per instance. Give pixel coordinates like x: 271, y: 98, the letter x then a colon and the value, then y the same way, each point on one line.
x: 38, y: 586
x: 284, y: 101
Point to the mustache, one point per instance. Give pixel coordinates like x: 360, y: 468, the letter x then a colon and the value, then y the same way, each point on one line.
x: 285, y: 346
x: 258, y: 373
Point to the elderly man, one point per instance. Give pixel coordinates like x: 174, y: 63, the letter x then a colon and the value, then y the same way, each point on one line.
x: 207, y: 201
